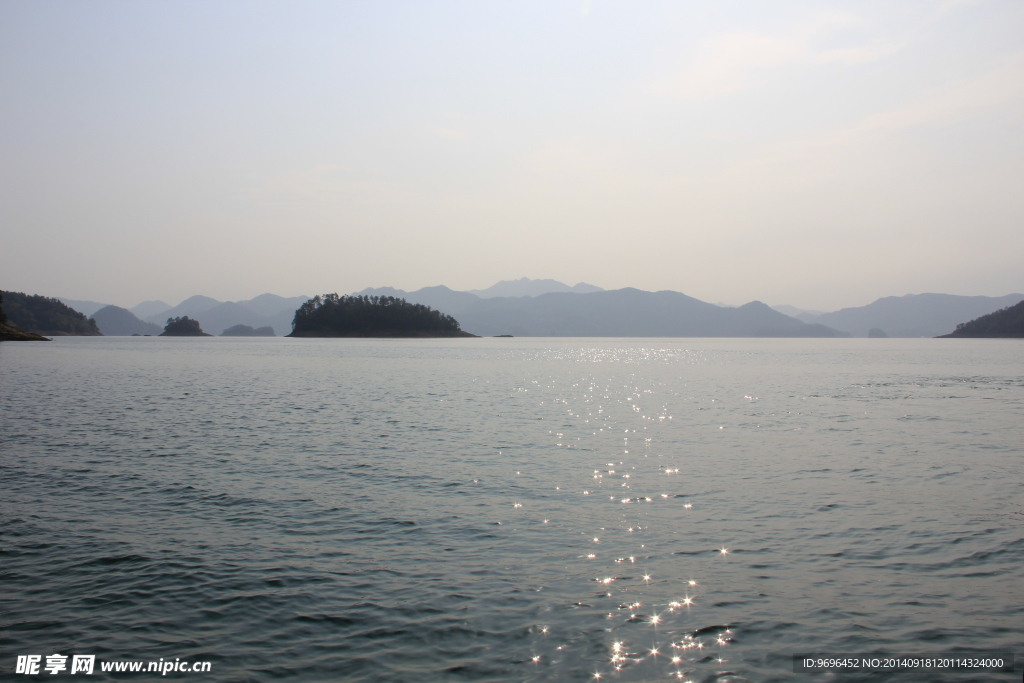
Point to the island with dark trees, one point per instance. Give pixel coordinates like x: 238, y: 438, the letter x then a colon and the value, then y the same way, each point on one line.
x: 248, y: 331
x: 183, y: 327
x: 331, y: 315
x: 1005, y: 323
x: 47, y: 316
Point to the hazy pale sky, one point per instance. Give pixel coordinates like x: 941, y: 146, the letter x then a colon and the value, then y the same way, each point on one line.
x: 820, y: 154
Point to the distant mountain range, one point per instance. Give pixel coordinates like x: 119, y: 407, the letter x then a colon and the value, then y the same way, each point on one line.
x: 149, y: 317
x: 266, y: 310
x: 528, y: 307
x: 792, y: 311
x: 601, y: 313
x: 524, y: 286
x: 913, y: 315
x: 148, y: 308
x: 86, y: 308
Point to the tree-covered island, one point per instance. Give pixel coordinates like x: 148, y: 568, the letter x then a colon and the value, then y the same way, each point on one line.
x: 331, y: 315
x: 183, y: 327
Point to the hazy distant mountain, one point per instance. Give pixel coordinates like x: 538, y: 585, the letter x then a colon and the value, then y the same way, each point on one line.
x: 86, y: 308
x: 282, y: 321
x: 275, y: 311
x: 524, y: 286
x: 451, y: 301
x: 190, y: 307
x: 272, y: 304
x: 265, y: 310
x: 115, y: 321
x: 1006, y: 322
x: 628, y: 313
x: 229, y: 314
x: 794, y: 312
x: 383, y: 291
x: 246, y: 331
x: 439, y: 298
x: 149, y: 308
x: 617, y: 313
x: 913, y: 315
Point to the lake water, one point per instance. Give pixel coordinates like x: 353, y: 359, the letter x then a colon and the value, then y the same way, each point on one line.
x: 511, y: 509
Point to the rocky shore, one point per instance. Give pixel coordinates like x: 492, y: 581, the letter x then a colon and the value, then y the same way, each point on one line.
x: 11, y: 333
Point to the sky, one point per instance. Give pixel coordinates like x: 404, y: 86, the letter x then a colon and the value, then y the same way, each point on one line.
x: 818, y: 154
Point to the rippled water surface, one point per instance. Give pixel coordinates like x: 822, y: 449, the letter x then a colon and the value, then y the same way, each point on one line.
x: 511, y: 509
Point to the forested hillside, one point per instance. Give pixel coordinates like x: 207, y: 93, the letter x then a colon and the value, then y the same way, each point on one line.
x: 46, y: 316
x: 1007, y: 322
